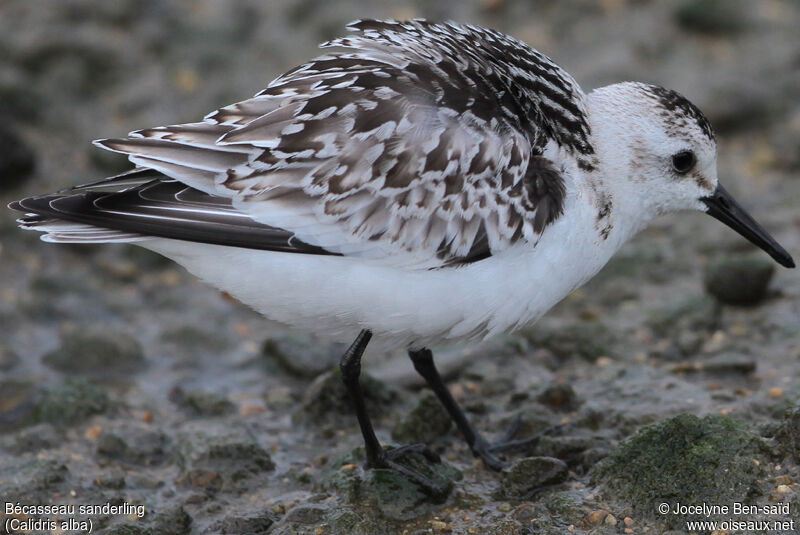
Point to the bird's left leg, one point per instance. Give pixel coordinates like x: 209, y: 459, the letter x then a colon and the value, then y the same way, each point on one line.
x: 423, y: 363
x: 377, y: 456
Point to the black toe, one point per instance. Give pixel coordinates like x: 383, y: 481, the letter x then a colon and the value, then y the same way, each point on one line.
x: 388, y: 459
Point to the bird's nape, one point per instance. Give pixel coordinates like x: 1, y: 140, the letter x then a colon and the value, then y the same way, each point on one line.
x: 722, y: 206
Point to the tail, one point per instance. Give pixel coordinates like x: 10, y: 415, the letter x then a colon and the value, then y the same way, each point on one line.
x: 42, y: 213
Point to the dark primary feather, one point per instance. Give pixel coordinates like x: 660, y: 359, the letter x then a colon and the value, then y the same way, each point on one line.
x: 145, y: 202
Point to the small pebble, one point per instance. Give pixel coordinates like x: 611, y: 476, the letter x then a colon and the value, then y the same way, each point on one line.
x: 739, y: 280
x: 202, y: 478
x: 610, y: 520
x: 775, y: 392
x: 93, y: 432
x: 559, y: 396
x: 527, y: 474
x: 504, y: 507
x: 595, y: 518
x: 739, y: 330
x: 783, y: 489
x: 251, y: 409
x: 438, y: 525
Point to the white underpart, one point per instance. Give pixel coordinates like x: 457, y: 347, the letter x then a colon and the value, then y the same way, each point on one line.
x: 336, y: 296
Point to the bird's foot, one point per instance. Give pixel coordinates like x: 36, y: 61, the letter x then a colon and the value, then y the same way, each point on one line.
x: 388, y: 459
x: 487, y: 451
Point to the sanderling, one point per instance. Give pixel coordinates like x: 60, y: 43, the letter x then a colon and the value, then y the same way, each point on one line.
x: 432, y: 182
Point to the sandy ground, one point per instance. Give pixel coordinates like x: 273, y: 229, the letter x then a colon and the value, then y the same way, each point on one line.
x: 124, y: 381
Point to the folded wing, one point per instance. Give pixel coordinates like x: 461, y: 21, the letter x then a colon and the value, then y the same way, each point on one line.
x: 420, y: 147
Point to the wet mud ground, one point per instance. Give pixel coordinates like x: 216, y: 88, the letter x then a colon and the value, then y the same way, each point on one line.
x: 674, y: 375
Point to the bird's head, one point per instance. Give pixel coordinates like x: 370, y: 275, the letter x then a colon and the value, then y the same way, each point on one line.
x: 661, y: 154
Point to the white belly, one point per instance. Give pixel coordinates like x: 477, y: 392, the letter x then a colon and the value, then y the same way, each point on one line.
x: 337, y: 296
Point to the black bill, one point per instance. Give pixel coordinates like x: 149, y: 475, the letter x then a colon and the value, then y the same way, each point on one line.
x: 722, y: 206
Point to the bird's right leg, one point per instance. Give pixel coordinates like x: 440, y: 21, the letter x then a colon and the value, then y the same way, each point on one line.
x: 376, y: 455
x: 482, y: 448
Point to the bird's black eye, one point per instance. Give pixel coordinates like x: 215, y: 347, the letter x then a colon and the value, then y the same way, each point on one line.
x: 684, y: 161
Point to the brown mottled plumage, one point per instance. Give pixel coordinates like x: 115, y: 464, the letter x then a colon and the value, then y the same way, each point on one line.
x: 421, y: 145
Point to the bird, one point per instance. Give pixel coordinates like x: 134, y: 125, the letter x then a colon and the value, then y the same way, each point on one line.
x: 420, y: 182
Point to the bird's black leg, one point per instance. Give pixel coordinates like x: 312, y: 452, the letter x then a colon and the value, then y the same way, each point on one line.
x: 423, y: 363
x: 376, y: 456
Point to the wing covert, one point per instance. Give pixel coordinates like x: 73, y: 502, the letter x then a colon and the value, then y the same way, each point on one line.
x: 420, y: 146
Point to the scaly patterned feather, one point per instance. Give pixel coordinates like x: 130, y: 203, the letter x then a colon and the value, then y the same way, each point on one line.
x: 421, y: 146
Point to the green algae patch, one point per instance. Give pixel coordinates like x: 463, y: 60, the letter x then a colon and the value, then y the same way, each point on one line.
x: 426, y: 422
x: 685, y: 460
x: 72, y: 402
x: 384, y: 495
